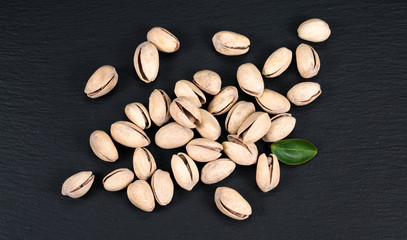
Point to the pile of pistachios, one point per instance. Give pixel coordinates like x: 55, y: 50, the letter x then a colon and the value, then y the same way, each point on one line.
x: 244, y: 124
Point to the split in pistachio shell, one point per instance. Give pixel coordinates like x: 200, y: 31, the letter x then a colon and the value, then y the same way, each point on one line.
x: 230, y: 43
x: 159, y: 107
x: 273, y: 102
x: 138, y: 114
x: 232, y: 204
x: 185, y: 112
x: 118, y: 179
x: 129, y: 135
x: 143, y: 163
x: 204, y: 150
x: 208, y: 81
x: 223, y: 101
x: 281, y: 126
x: 141, y: 195
x: 268, y: 172
x: 308, y: 63
x: 254, y: 127
x: 209, y: 126
x: 277, y: 62
x: 103, y: 146
x: 239, y: 152
x: 162, y: 186
x: 146, y: 62
x: 250, y: 79
x: 163, y: 40
x: 237, y: 114
x: 173, y: 135
x: 78, y: 184
x: 102, y: 81
x: 314, y: 30
x: 304, y: 93
x: 216, y: 171
x: 185, y: 171
x: 184, y: 88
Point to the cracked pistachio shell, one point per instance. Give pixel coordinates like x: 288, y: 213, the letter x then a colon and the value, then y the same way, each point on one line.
x: 237, y: 114
x: 184, y: 88
x: 163, y: 40
x: 185, y: 171
x: 314, y: 30
x: 78, y: 184
x: 163, y: 187
x: 138, y: 114
x: 254, y: 127
x: 143, y: 163
x: 146, y: 62
x: 277, y: 62
x: 209, y: 126
x: 185, y: 112
x: 304, y: 93
x: 204, y: 150
x: 250, y: 79
x: 141, y: 195
x: 101, y: 82
x: 268, y: 172
x: 230, y: 43
x: 103, y: 146
x: 239, y: 152
x: 173, y: 135
x: 223, y: 101
x: 216, y: 171
x: 273, y: 102
x: 118, y: 179
x: 209, y: 81
x: 232, y: 204
x: 281, y: 126
x: 308, y: 63
x: 129, y: 135
x: 159, y: 107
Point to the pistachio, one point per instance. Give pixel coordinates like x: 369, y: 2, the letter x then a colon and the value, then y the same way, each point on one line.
x: 217, y: 170
x: 204, y: 150
x: 143, y: 163
x: 254, y: 127
x: 146, y: 62
x: 118, y: 179
x: 141, y: 195
x: 308, y: 62
x: 173, y: 135
x: 184, y: 170
x: 129, y: 135
x: 237, y: 114
x: 223, y: 101
x: 163, y: 188
x: 184, y: 112
x: 163, y: 40
x: 101, y: 82
x: 209, y: 126
x: 159, y: 107
x: 281, y: 126
x: 304, y: 93
x: 273, y: 102
x: 209, y: 81
x: 138, y: 114
x: 103, y: 146
x: 184, y: 88
x: 78, y: 184
x: 250, y: 79
x: 230, y: 43
x: 239, y: 152
x: 277, y: 62
x: 232, y: 204
x: 314, y: 30
x: 268, y: 172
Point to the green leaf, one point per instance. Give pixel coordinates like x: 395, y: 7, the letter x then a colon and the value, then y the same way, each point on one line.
x: 293, y: 151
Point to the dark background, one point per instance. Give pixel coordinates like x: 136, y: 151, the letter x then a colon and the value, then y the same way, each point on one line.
x: 355, y: 188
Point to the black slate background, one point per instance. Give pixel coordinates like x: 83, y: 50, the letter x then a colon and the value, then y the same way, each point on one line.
x: 355, y: 188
